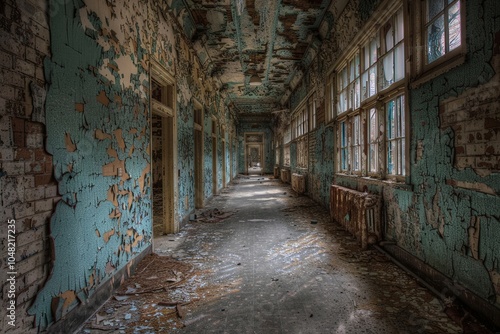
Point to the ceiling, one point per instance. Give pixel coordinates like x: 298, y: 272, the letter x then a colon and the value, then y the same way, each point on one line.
x: 271, y: 38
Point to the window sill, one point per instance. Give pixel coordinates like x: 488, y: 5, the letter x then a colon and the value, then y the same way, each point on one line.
x: 385, y: 182
x: 435, y: 70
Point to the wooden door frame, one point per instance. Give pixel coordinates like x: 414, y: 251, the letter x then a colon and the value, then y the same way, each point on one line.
x: 261, y: 148
x: 169, y: 147
x: 199, y: 182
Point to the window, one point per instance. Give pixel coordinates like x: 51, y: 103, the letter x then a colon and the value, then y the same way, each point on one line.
x: 342, y: 90
x: 312, y: 111
x: 443, y: 28
x: 300, y: 123
x: 330, y: 110
x: 344, y: 149
x: 373, y: 134
x: 395, y: 129
x: 370, y: 99
x: 392, y: 51
x: 356, y: 143
x: 369, y: 75
x: 354, y: 89
x: 348, y: 86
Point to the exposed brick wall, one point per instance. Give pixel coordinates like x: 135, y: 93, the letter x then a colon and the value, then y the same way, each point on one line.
x: 475, y: 119
x: 28, y: 190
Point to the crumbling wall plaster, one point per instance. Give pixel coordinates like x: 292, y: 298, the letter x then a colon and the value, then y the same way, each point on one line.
x: 455, y: 171
x: 98, y: 133
x: 322, y: 168
x: 28, y: 192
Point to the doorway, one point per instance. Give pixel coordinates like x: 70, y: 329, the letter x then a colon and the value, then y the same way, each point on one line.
x: 254, y: 153
x: 163, y: 151
x: 214, y: 157
x: 198, y: 156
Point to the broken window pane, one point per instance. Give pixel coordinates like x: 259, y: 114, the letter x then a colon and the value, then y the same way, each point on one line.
x: 399, y: 66
x: 435, y: 40
x: 434, y: 7
x: 454, y: 26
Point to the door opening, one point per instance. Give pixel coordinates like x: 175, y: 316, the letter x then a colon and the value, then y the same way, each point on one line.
x: 254, y: 153
x: 198, y: 156
x: 163, y: 151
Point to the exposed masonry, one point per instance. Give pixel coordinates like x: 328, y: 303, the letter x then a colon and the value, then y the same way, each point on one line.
x: 28, y: 190
x: 97, y: 133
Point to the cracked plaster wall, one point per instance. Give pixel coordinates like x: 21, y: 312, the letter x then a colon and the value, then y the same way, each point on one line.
x: 97, y: 126
x: 448, y: 215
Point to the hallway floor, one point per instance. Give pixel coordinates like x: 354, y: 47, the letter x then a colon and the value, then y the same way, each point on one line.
x: 264, y: 260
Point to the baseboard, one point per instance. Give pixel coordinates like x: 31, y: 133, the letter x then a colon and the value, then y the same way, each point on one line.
x: 481, y: 308
x: 72, y: 321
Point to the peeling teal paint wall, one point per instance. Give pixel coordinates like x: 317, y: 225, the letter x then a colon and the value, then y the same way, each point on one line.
x: 446, y: 211
x: 322, y: 170
x: 447, y: 214
x: 93, y: 122
x: 209, y: 171
x: 98, y: 131
x: 185, y: 135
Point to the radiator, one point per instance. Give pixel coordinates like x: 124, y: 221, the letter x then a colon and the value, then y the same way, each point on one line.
x: 285, y: 175
x: 298, y: 183
x: 358, y: 212
x: 276, y: 172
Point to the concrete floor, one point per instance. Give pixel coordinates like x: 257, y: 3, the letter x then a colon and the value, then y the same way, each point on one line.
x: 276, y: 264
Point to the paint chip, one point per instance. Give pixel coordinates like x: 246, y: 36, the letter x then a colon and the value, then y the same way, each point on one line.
x: 102, y: 98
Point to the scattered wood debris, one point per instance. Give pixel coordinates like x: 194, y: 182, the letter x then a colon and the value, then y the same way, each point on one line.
x: 146, y: 300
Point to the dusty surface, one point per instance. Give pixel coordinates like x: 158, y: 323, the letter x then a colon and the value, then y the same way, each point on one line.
x: 260, y: 259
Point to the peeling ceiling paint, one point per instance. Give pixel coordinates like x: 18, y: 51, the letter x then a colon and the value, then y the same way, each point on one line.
x: 273, y: 39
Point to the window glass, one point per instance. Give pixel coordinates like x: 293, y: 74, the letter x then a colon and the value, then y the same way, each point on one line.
x: 443, y: 28
x: 395, y: 129
x: 372, y: 140
x: 343, y: 146
x: 356, y: 144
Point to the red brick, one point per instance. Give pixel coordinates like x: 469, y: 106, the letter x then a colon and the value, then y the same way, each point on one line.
x: 17, y: 124
x: 43, y: 179
x: 34, y: 127
x: 22, y: 153
x: 40, y: 154
x: 19, y: 140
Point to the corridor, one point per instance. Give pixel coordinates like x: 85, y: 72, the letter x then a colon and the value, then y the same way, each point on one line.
x: 264, y: 260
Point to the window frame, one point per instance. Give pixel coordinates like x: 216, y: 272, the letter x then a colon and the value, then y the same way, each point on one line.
x: 427, y: 23
x: 402, y: 139
x: 421, y: 70
x: 371, y: 159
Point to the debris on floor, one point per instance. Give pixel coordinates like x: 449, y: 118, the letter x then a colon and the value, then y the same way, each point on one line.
x: 213, y: 215
x: 284, y: 268
x: 153, y: 300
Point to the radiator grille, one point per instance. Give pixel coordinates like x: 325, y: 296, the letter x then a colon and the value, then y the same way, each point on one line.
x: 358, y: 212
